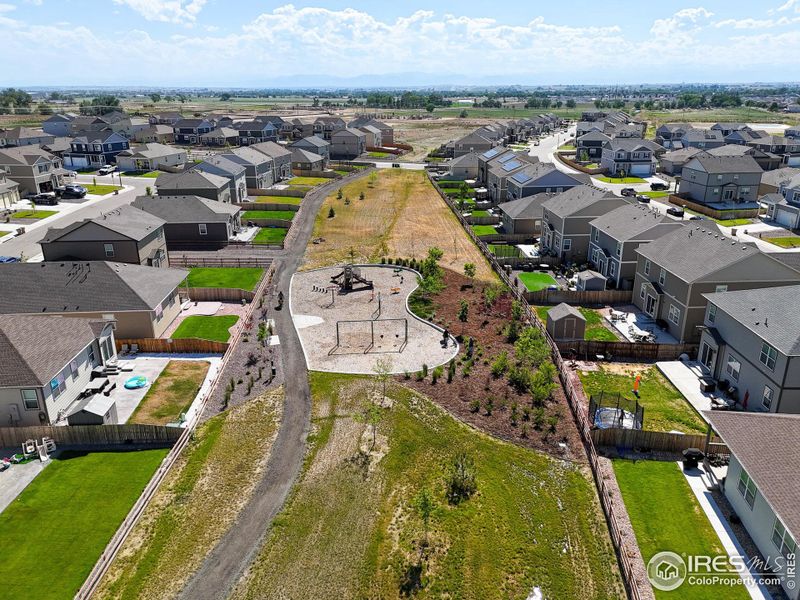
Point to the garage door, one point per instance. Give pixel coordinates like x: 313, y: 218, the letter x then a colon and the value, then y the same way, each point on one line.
x: 785, y: 218
x: 640, y: 170
x: 793, y: 161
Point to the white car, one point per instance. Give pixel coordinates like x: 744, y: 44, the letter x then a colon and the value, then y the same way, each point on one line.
x: 106, y: 170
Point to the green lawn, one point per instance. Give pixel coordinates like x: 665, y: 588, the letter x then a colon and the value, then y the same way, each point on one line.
x: 150, y: 174
x: 606, y: 179
x: 567, y: 148
x: 278, y: 199
x: 34, y: 214
x: 308, y: 180
x: 245, y: 278
x: 595, y: 330
x: 534, y: 281
x: 592, y: 165
x: 286, y: 215
x: 171, y: 393
x: 350, y: 528
x: 2, y: 233
x: 481, y: 213
x: 723, y: 222
x: 667, y: 517
x: 101, y: 190
x: 484, y: 229
x: 665, y: 408
x: 379, y: 154
x: 789, y: 241
x: 270, y: 235
x: 206, y: 328
x: 504, y: 250
x: 655, y: 194
x: 56, y: 529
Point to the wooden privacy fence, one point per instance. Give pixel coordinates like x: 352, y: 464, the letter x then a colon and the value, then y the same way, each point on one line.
x: 182, y: 260
x: 245, y: 206
x: 562, y: 156
x: 743, y: 213
x: 93, y: 435
x: 174, y: 346
x: 589, y: 349
x: 282, y: 192
x: 280, y: 223
x: 661, y: 441
x: 601, y: 297
x: 200, y: 294
x: 313, y: 173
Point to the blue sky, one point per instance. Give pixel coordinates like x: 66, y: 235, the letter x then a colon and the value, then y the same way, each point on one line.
x: 248, y: 43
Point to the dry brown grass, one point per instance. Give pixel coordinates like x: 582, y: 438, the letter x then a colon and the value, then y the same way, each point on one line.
x: 401, y: 216
x: 427, y: 135
x: 171, y: 393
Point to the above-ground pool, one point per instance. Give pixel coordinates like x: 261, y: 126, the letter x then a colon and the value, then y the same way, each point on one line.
x: 136, y: 382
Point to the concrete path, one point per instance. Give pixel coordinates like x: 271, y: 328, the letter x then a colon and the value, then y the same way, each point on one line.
x: 225, y: 564
x: 17, y: 477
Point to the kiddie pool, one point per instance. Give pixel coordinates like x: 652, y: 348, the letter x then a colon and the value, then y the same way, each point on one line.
x: 136, y: 382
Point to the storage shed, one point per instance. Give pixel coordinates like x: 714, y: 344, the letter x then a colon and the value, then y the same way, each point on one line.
x: 565, y: 322
x: 97, y: 409
x: 590, y: 281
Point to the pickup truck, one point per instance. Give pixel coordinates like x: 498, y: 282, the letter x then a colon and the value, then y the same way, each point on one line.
x: 106, y: 170
x: 44, y: 199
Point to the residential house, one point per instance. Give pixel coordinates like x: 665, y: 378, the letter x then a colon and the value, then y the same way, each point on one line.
x: 195, y: 182
x: 125, y: 234
x: 672, y: 162
x: 259, y: 171
x: 33, y: 169
x: 303, y: 160
x: 58, y: 124
x: 617, y: 234
x: 674, y: 271
x: 234, y: 172
x: 387, y: 132
x: 281, y: 159
x: 348, y: 143
x: 84, y: 123
x: 472, y: 142
x: 133, y: 126
x: 24, y: 136
x: 542, y: 177
x: 750, y: 338
x: 766, y: 160
x: 221, y: 136
x: 744, y: 136
x: 160, y: 134
x: 46, y: 362
x: 143, y: 301
x: 762, y: 486
x: 373, y: 136
x: 632, y: 157
x: 669, y: 135
x: 783, y: 207
x: 255, y: 132
x: 589, y: 146
x: 95, y: 149
x: 785, y: 148
x: 566, y: 219
x: 192, y: 221
x: 9, y: 191
x: 327, y: 126
x: 792, y: 132
x: 302, y: 127
x: 721, y: 182
x: 771, y: 180
x: 463, y: 167
x: 523, y: 216
x: 58, y: 146
x: 704, y: 139
x: 501, y: 169
x: 189, y: 131
x: 150, y: 157
x: 314, y: 144
x: 728, y: 128
x: 166, y: 118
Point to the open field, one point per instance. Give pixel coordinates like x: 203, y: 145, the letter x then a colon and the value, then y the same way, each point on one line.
x: 351, y: 529
x: 56, y: 529
x: 245, y: 278
x: 308, y: 180
x: 278, y: 199
x: 401, y: 216
x: 665, y: 408
x: 172, y: 393
x: 206, y: 328
x: 427, y: 135
x: 197, y: 502
x: 651, y: 491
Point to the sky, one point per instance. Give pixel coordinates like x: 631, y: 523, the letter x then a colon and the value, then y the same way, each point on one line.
x: 253, y: 43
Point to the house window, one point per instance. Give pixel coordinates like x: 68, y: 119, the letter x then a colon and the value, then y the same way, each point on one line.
x: 647, y: 267
x: 674, y: 314
x: 203, y: 229
x: 783, y: 539
x: 30, y: 399
x: 768, y: 356
x: 721, y: 288
x: 766, y: 399
x: 73, y: 366
x: 612, y: 268
x: 58, y: 385
x: 109, y: 250
x: 641, y: 292
x: 90, y: 354
x: 662, y: 277
x: 567, y: 245
x: 619, y: 249
x: 596, y: 235
x: 733, y: 367
x: 712, y: 313
x: 747, y: 488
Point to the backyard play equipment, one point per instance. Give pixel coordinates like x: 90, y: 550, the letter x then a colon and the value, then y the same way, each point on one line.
x: 136, y: 382
x: 370, y: 335
x: 348, y: 278
x: 614, y: 410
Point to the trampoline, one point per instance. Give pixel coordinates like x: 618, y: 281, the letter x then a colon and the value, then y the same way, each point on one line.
x: 136, y: 382
x: 607, y: 417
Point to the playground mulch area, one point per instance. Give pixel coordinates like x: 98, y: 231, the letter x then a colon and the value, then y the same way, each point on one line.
x: 316, y: 310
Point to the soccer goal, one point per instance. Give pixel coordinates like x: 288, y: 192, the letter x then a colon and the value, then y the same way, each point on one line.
x: 367, y: 336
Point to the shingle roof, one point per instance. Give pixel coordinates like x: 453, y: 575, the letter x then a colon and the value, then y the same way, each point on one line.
x: 34, y: 348
x: 702, y: 135
x: 766, y: 447
x: 221, y: 132
x: 151, y: 150
x: 564, y: 310
x: 190, y: 180
x: 272, y: 149
x: 631, y: 221
x: 85, y: 286
x: 631, y: 144
x: 186, y: 209
x: 470, y: 159
x: 125, y: 220
x: 732, y: 150
x: 575, y: 199
x: 302, y: 155
x: 24, y: 155
x: 684, y: 154
x: 776, y: 176
x: 314, y: 140
x: 248, y: 155
x: 771, y: 313
x: 219, y: 161
x: 724, y: 164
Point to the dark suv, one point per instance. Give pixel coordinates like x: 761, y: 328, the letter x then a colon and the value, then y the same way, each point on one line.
x: 659, y: 187
x: 71, y: 191
x: 44, y: 199
x: 628, y: 192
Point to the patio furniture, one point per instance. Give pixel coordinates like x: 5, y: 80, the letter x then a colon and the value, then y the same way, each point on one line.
x: 707, y: 384
x: 124, y: 349
x: 96, y: 386
x: 134, y: 348
x: 691, y: 458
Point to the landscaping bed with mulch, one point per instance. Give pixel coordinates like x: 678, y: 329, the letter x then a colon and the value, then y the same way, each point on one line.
x: 489, y: 401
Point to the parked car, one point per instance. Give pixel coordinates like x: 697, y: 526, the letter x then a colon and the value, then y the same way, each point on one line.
x: 396, y: 165
x: 106, y: 170
x: 675, y: 211
x: 71, y: 191
x: 695, y: 218
x: 643, y: 198
x: 659, y: 187
x: 71, y: 174
x: 8, y: 259
x: 628, y: 192
x: 45, y: 199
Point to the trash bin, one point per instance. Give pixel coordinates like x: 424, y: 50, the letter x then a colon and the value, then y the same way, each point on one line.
x: 691, y: 458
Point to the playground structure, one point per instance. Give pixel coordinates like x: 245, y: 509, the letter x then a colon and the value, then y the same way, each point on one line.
x: 614, y: 410
x: 348, y: 278
x: 365, y: 336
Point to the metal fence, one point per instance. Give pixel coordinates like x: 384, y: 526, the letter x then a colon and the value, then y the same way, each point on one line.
x: 188, y: 261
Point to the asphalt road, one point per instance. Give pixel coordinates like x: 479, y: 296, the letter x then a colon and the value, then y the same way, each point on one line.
x: 225, y: 564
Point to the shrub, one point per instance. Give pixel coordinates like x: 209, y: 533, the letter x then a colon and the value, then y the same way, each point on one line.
x: 531, y: 347
x: 512, y: 332
x: 475, y: 406
x: 406, y: 375
x: 514, y: 414
x: 424, y: 369
x: 331, y: 213
x: 437, y: 373
x: 516, y: 310
x: 519, y: 378
x: 489, y: 407
x: 552, y: 423
x: 500, y: 364
x: 538, y: 418
x: 451, y: 370
x: 461, y: 484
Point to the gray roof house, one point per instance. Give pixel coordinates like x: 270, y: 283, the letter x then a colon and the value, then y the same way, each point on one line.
x: 194, y: 183
x: 565, y: 323
x: 304, y: 160
x: 221, y: 136
x: 523, y: 216
x: 704, y: 139
x: 348, y: 143
x: 589, y: 146
x: 766, y: 160
x: 188, y: 131
x: 191, y: 221
x: 34, y: 169
x: 149, y: 157
x: 616, y: 235
x: 672, y: 162
x: 786, y: 148
x: 566, y: 219
x: 281, y: 159
x: 315, y: 144
x: 674, y: 271
x: 783, y: 206
x: 721, y: 182
x: 125, y: 234
x: 9, y: 191
x: 24, y: 136
x: 464, y: 167
x: 761, y: 484
x: 473, y: 142
x: 540, y: 178
x: 58, y: 124
x: 771, y: 180
x: 387, y: 133
x: 235, y: 173
x: 729, y: 128
x: 258, y: 166
x: 255, y: 132
x: 630, y: 156
x: 669, y: 133
x: 46, y: 361
x: 142, y: 300
x: 373, y: 136
x: 500, y: 169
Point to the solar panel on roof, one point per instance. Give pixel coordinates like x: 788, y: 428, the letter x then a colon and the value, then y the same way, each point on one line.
x: 511, y: 165
x: 506, y: 158
x: 521, y: 178
x: 491, y: 153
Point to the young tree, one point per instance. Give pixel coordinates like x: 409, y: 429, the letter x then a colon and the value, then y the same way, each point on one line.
x: 372, y: 416
x: 425, y: 504
x: 383, y: 371
x: 361, y: 196
x: 339, y: 194
x: 463, y: 314
x: 331, y: 213
x: 469, y: 271
x: 462, y: 482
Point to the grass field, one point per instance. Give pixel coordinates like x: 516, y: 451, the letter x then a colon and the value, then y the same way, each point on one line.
x: 665, y: 408
x: 278, y: 199
x: 484, y: 229
x: 651, y: 490
x: 56, y: 529
x: 595, y: 330
x: 245, y: 278
x: 34, y: 214
x: 350, y: 529
x: 101, y: 190
x: 270, y: 235
x: 286, y: 215
x: 206, y: 328
x: 606, y: 179
x: 534, y: 282
x: 401, y: 216
x: 172, y: 393
x: 149, y: 174
x: 197, y: 502
x: 789, y: 241
x: 379, y: 154
x: 504, y: 250
x: 655, y: 194
x: 308, y: 180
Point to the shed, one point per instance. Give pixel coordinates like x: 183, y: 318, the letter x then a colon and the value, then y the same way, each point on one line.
x: 97, y: 409
x: 565, y: 322
x: 591, y: 281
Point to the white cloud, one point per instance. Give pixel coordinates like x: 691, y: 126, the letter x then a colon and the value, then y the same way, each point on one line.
x: 682, y: 23
x: 790, y: 4
x: 756, y: 23
x: 7, y: 8
x: 171, y: 11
